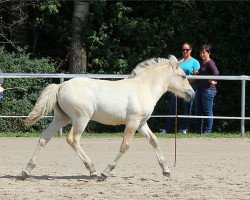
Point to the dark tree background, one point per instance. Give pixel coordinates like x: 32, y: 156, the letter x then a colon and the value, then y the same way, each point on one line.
x: 120, y: 34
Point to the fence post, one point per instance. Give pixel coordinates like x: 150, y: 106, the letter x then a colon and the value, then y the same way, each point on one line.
x: 61, y: 130
x: 243, y: 105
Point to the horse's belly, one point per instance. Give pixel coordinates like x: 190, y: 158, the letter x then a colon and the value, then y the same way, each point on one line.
x: 106, y: 118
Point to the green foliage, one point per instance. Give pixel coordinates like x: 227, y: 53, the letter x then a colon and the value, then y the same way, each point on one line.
x: 20, y: 102
x: 51, y: 6
x: 50, y: 30
x: 118, y: 38
x: 120, y: 34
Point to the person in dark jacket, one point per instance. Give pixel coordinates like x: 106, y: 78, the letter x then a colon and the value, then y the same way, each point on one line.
x: 206, y: 92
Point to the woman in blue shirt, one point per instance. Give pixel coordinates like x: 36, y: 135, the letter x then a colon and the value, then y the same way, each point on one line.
x: 190, y: 66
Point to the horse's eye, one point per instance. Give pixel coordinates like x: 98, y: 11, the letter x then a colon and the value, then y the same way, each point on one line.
x: 183, y: 76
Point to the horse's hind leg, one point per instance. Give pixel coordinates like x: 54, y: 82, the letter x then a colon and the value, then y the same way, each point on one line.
x: 46, y: 135
x: 73, y: 140
x: 127, y: 139
x: 154, y: 142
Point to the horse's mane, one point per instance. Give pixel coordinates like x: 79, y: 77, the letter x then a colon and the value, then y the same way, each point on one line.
x: 153, y: 62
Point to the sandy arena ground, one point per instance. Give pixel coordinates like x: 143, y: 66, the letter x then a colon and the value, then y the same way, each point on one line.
x: 206, y: 169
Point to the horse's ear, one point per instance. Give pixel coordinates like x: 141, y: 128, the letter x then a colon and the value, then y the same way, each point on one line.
x: 173, y: 61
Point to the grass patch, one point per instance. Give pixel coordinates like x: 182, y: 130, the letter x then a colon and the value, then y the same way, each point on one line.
x: 194, y: 135
x: 33, y: 134
x: 137, y: 135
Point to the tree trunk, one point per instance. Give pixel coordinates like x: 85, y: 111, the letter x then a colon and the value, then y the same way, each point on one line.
x: 77, y: 55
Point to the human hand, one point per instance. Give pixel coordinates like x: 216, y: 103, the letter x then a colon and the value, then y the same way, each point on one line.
x: 1, y: 89
x: 213, y: 82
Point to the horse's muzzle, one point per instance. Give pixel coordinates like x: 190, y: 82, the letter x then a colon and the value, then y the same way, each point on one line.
x: 190, y: 94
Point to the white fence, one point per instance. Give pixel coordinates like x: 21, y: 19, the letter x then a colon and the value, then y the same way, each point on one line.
x: 242, y: 78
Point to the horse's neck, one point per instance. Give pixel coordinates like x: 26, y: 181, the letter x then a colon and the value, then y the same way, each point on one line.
x: 157, y: 82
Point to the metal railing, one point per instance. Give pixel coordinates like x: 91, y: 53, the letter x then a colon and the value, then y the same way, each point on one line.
x: 62, y: 77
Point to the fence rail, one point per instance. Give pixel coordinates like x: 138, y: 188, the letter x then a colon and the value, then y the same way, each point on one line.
x: 241, y: 78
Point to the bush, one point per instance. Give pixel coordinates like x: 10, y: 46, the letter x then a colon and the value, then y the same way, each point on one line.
x: 20, y: 102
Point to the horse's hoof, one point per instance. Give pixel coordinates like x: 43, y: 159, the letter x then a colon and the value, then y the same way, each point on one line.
x: 167, y: 174
x: 94, y: 176
x: 24, y: 175
x: 102, y: 177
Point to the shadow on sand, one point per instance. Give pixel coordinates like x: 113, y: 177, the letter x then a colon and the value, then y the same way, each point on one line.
x: 46, y: 177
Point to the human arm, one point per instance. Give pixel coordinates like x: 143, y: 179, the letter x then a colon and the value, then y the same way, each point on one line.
x: 196, y: 67
x: 1, y: 89
x: 214, y: 71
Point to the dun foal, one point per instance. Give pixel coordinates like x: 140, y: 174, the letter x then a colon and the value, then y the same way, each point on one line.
x: 128, y: 101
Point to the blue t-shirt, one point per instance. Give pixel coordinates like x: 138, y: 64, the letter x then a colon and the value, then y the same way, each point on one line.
x: 189, y: 66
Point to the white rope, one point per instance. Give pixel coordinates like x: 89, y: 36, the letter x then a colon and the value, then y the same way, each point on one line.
x: 14, y: 88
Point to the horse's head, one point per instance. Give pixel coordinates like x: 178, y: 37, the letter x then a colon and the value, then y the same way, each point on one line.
x: 173, y: 78
x: 179, y: 84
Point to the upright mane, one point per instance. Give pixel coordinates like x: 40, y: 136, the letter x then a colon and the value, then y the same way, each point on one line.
x: 153, y: 62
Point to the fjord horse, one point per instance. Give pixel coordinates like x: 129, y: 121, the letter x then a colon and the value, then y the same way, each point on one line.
x: 129, y: 101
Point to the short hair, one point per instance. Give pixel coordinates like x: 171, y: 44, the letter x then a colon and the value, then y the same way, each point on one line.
x: 191, y: 46
x: 206, y: 47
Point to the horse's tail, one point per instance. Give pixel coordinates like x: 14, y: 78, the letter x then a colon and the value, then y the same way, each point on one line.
x: 44, y: 104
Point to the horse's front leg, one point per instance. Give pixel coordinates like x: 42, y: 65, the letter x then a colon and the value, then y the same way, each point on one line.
x: 154, y: 142
x: 73, y: 140
x: 127, y: 139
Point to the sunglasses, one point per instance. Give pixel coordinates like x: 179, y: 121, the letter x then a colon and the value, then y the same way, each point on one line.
x: 185, y: 50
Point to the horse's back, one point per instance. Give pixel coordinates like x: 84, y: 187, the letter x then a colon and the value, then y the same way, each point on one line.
x: 107, y: 102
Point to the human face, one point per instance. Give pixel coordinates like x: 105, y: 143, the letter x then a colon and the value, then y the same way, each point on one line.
x: 186, y: 50
x: 204, y: 55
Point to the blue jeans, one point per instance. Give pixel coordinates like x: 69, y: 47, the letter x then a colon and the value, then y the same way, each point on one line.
x: 204, y: 100
x: 186, y: 106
